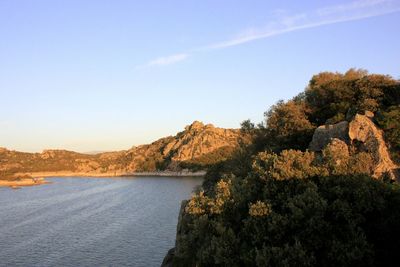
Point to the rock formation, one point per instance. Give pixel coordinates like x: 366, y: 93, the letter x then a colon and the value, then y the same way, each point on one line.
x: 360, y: 135
x: 365, y: 136
x: 199, y: 139
x: 325, y: 133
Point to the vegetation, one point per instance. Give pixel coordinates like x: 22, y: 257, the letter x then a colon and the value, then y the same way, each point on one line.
x: 274, y: 203
x: 196, y: 148
x: 207, y: 160
x: 319, y: 221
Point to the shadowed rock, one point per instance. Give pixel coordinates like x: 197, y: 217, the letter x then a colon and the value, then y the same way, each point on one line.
x: 325, y: 133
x: 167, y: 262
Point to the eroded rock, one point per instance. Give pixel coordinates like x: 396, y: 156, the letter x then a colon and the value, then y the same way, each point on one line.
x: 361, y: 135
x: 325, y: 133
x: 365, y: 136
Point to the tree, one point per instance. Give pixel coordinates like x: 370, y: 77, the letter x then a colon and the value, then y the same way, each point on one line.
x: 287, y: 127
x: 247, y: 126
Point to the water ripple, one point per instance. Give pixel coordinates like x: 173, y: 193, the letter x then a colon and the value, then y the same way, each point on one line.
x: 91, y: 222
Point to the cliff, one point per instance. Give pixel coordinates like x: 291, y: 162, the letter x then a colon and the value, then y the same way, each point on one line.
x: 195, y: 148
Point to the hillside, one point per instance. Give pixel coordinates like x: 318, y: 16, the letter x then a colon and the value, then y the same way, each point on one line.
x: 317, y: 186
x: 197, y: 147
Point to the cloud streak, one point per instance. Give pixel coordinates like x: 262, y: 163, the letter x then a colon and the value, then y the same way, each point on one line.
x: 163, y: 61
x: 283, y: 23
x: 356, y: 5
x: 352, y: 11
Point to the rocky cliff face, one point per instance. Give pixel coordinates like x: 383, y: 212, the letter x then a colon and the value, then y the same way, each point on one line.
x: 198, y: 144
x: 199, y: 139
x: 360, y: 135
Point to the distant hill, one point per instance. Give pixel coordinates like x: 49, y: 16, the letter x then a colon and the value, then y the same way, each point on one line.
x: 195, y: 148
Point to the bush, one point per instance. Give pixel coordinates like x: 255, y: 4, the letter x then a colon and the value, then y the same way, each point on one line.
x: 320, y: 221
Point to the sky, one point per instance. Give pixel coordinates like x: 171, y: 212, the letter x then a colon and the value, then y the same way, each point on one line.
x: 100, y: 75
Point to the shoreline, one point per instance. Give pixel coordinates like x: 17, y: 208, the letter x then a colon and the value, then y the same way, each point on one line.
x: 16, y: 184
x: 38, y: 178
x: 168, y: 174
x: 113, y: 174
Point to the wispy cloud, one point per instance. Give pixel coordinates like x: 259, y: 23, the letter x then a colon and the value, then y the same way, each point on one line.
x: 163, y: 61
x: 356, y: 5
x: 285, y: 23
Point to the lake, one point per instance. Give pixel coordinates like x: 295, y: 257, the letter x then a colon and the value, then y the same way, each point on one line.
x: 92, y: 221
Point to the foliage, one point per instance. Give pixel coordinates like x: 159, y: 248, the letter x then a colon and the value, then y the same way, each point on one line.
x: 286, y: 206
x: 209, y: 159
x: 320, y: 221
x: 259, y: 209
x: 200, y: 204
x: 247, y: 126
x: 389, y: 121
x: 289, y: 164
x: 287, y: 127
x: 331, y: 96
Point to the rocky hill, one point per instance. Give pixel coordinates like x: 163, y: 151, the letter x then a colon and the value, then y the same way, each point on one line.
x: 197, y: 147
x: 354, y: 147
x: 316, y: 187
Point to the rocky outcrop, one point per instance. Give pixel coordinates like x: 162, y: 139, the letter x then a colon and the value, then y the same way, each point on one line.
x: 167, y: 262
x: 199, y: 139
x: 361, y: 135
x: 366, y: 137
x: 196, y: 144
x: 168, y: 259
x: 325, y: 133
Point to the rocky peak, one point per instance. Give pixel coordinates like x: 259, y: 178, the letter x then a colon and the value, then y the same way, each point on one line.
x: 198, y: 140
x: 46, y: 154
x: 195, y: 126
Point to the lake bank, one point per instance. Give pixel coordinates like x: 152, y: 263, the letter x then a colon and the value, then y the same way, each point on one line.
x: 23, y: 182
x: 183, y: 173
x: 37, y: 178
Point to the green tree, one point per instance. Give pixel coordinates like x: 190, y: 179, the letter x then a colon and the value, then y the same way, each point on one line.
x: 287, y: 127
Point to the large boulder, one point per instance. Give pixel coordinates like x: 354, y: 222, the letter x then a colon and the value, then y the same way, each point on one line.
x: 366, y: 137
x: 325, y: 133
x: 360, y: 135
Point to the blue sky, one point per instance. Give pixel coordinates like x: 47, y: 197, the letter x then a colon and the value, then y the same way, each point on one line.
x: 106, y: 75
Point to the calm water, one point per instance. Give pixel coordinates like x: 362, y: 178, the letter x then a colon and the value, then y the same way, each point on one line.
x: 91, y: 221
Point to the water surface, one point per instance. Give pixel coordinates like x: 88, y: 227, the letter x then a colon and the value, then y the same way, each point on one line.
x: 91, y: 221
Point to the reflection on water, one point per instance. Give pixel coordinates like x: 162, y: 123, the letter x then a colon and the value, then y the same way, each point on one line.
x: 91, y: 221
